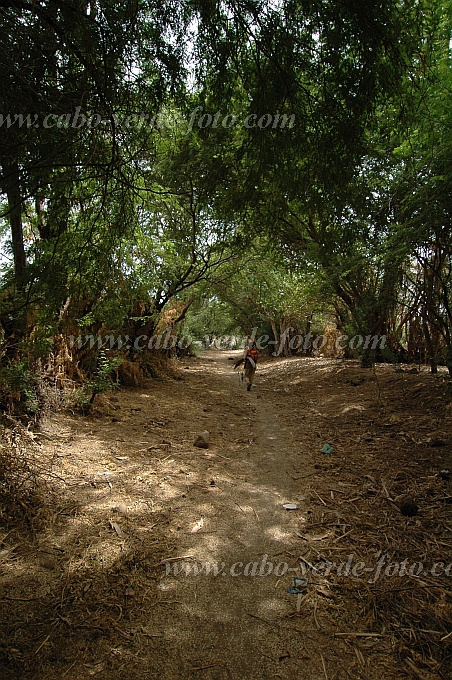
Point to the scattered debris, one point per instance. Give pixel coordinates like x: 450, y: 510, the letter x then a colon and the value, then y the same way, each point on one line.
x: 326, y: 593
x: 117, y: 529
x: 391, y: 623
x: 198, y: 526
x: 409, y: 508
x: 202, y: 441
x: 299, y: 586
x: 120, y: 509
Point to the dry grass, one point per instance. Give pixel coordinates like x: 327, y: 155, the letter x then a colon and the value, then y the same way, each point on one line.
x: 391, y: 434
x: 92, y: 506
x: 25, y: 493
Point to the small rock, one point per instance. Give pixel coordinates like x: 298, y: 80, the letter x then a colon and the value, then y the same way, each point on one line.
x: 48, y: 563
x: 202, y: 441
x: 409, y: 508
x: 121, y: 509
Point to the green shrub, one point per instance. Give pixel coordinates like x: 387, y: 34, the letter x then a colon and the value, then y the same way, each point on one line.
x: 19, y: 388
x: 103, y: 380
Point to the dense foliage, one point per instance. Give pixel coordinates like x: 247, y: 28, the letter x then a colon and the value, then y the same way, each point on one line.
x: 225, y: 166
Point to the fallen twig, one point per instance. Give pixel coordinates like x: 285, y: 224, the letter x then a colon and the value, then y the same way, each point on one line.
x: 356, y: 635
x: 172, y: 559
x: 42, y: 644
x: 324, y: 666
x: 343, y: 536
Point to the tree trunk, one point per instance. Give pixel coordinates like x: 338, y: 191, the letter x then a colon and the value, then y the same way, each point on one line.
x: 12, y: 189
x: 283, y: 327
x: 308, y: 351
x: 43, y: 227
x: 367, y: 360
x: 428, y: 311
x: 430, y: 347
x: 275, y: 332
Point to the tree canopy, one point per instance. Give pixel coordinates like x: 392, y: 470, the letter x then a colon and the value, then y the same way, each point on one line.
x: 281, y: 162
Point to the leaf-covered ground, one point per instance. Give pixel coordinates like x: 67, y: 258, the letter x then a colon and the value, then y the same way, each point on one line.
x: 150, y: 558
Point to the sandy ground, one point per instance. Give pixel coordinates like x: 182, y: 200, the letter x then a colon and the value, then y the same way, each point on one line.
x: 162, y: 560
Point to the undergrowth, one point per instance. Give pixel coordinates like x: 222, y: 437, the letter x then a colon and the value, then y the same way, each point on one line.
x: 24, y: 492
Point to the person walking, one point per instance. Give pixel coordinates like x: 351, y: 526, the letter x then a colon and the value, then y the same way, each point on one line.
x: 250, y: 359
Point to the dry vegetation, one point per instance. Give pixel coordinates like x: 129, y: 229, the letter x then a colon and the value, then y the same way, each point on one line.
x: 93, y: 506
x: 391, y: 434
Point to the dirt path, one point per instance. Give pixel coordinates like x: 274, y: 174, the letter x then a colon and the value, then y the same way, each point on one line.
x: 233, y: 621
x: 167, y: 561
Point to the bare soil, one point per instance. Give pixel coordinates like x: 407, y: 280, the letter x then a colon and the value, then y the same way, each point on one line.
x: 155, y: 559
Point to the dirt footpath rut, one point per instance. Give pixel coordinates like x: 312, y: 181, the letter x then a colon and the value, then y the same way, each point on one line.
x: 233, y: 621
